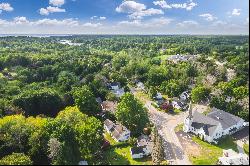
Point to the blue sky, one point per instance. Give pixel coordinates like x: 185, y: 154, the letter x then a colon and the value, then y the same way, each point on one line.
x: 124, y: 16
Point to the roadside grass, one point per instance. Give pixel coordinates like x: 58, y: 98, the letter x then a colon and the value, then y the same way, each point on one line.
x: 119, y: 154
x: 246, y: 148
x: 210, y: 153
x: 143, y: 97
x: 179, y: 127
x: 177, y: 111
x: 108, y: 137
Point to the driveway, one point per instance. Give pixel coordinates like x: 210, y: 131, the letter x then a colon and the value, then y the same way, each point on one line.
x: 165, y: 124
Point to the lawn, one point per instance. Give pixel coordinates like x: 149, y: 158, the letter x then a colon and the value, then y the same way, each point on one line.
x: 179, y: 127
x: 119, y: 154
x: 210, y: 153
x: 143, y: 97
x: 108, y: 137
x: 246, y: 148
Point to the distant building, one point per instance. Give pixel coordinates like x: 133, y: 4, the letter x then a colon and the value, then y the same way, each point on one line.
x: 140, y: 86
x: 181, y: 58
x: 109, y: 106
x: 83, y: 163
x: 115, y: 88
x: 178, y: 104
x: 118, y: 132
x: 213, y: 126
x: 230, y: 157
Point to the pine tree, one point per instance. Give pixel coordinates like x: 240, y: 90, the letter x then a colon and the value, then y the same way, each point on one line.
x: 157, y: 151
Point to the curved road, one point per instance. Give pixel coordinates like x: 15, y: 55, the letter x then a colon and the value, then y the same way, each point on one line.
x: 165, y: 124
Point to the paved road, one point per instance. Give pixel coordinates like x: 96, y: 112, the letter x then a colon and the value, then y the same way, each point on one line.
x: 165, y: 124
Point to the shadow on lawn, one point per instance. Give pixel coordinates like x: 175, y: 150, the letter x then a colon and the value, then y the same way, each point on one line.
x: 113, y: 158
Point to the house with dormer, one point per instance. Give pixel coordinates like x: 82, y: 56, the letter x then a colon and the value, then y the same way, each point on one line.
x: 214, y: 125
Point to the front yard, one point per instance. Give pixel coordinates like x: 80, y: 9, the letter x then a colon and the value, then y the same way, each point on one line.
x: 119, y: 154
x: 210, y: 153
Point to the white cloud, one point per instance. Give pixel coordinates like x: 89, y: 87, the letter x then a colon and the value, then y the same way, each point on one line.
x: 247, y: 20
x: 130, y: 7
x: 137, y: 10
x: 188, y: 23
x: 236, y: 12
x: 93, y: 17
x: 152, y: 23
x: 102, y: 18
x: 143, y: 13
x: 51, y: 9
x: 208, y: 16
x: 6, y: 7
x: 21, y: 20
x: 98, y: 18
x: 92, y: 25
x: 219, y: 23
x: 188, y: 5
x: 54, y: 22
x: 57, y: 2
x: 163, y: 4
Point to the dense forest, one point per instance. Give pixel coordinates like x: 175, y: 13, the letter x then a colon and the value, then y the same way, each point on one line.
x: 48, y: 90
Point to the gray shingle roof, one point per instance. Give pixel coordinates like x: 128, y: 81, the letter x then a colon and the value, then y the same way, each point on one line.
x: 208, y: 124
x: 226, y: 119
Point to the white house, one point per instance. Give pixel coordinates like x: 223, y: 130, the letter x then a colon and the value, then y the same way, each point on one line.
x: 118, y: 92
x: 158, y: 96
x: 118, y: 132
x: 115, y: 88
x: 143, y: 148
x: 230, y: 157
x: 213, y: 126
x: 184, y: 96
x: 140, y: 86
x: 179, y: 105
x: 83, y: 163
x: 137, y: 152
x: 114, y: 85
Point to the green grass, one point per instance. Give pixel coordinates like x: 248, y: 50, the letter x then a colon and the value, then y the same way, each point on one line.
x: 246, y: 148
x: 122, y: 156
x: 177, y: 111
x: 179, y: 127
x: 119, y: 154
x: 210, y: 153
x: 108, y: 137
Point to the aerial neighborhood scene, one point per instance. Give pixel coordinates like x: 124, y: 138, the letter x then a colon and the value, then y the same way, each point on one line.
x: 124, y: 82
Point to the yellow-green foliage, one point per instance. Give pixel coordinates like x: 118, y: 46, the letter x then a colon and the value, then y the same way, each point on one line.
x: 16, y: 159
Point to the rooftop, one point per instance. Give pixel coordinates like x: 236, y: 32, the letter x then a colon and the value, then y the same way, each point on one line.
x: 226, y: 119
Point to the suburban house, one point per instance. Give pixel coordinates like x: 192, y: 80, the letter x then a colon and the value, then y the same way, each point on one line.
x: 140, y: 86
x: 181, y: 58
x: 118, y: 132
x: 115, y: 88
x: 83, y: 163
x: 158, y: 99
x: 177, y: 104
x: 184, y: 96
x: 214, y: 125
x: 109, y: 106
x: 230, y: 157
x: 144, y: 147
x: 137, y: 152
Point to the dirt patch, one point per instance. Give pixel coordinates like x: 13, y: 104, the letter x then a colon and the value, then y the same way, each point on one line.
x: 189, y: 146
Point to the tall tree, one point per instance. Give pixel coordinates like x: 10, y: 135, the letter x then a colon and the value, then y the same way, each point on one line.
x: 157, y: 151
x: 130, y: 112
x: 85, y: 100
